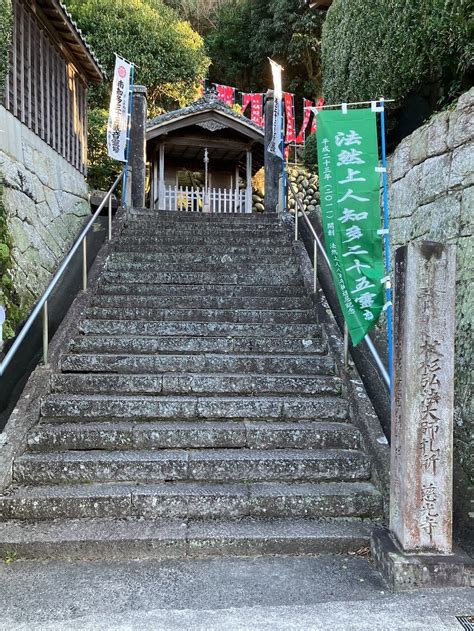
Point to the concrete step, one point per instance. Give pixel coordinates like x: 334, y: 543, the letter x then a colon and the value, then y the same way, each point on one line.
x: 221, y: 291
x: 203, y: 302
x: 204, y: 230
x: 99, y: 344
x: 208, y: 363
x: 93, y: 407
x: 154, y: 242
x: 192, y: 501
x: 178, y: 216
x: 223, y: 465
x: 197, y: 383
x: 205, y: 329
x: 286, y: 277
x: 264, y: 316
x: 118, y: 434
x: 142, y: 246
x: 112, y: 539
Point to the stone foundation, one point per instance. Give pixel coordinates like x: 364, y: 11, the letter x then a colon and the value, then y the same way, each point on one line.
x: 45, y: 200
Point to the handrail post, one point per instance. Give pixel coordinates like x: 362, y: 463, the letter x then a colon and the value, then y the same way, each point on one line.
x: 84, y: 264
x: 110, y: 217
x: 45, y: 333
x: 315, y: 265
x: 296, y: 222
x: 346, y: 345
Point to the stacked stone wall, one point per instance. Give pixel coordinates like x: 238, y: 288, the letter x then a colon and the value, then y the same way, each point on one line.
x: 431, y: 197
x: 45, y: 202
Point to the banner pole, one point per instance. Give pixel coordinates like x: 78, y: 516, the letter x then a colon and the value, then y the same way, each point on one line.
x: 127, y: 152
x: 388, y: 289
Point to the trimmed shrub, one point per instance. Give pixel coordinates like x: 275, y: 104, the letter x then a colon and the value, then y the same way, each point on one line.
x: 397, y: 48
x: 310, y: 155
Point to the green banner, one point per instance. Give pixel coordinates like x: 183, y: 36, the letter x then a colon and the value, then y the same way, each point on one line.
x: 350, y: 200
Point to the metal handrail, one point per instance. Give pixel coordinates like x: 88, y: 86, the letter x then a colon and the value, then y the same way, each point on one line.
x: 318, y: 244
x: 42, y: 304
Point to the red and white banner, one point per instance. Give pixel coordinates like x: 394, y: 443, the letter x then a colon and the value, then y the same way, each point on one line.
x: 289, y: 100
x: 256, y: 114
x: 319, y: 104
x: 246, y: 100
x: 118, y: 112
x: 306, y: 116
x: 225, y: 93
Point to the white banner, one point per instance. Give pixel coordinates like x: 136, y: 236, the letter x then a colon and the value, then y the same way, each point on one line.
x: 275, y: 143
x: 118, y: 112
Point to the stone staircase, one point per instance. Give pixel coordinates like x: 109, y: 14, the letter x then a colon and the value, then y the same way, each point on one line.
x: 199, y: 411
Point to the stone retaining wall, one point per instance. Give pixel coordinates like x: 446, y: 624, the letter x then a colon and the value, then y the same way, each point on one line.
x: 45, y: 200
x: 431, y: 197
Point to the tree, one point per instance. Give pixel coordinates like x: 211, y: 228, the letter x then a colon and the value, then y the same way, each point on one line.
x: 249, y: 31
x: 169, y: 54
x: 5, y: 39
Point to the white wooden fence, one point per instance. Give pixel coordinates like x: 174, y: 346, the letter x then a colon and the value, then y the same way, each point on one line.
x: 220, y: 200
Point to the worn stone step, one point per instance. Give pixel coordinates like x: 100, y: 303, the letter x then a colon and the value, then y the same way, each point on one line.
x: 203, y: 302
x: 111, y: 539
x: 204, y: 256
x: 141, y: 246
x: 118, y: 434
x: 224, y: 291
x: 144, y: 345
x: 286, y: 277
x: 207, y: 464
x: 223, y: 231
x: 192, y: 501
x: 264, y: 316
x: 184, y: 216
x: 234, y: 267
x: 206, y: 329
x: 92, y: 407
x: 209, y: 363
x: 196, y: 383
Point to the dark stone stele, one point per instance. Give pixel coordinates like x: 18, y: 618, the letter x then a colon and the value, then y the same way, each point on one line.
x: 404, y: 571
x: 137, y: 158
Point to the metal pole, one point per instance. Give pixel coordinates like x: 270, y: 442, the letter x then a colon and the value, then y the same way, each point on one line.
x: 296, y: 221
x: 388, y: 290
x: 346, y: 345
x: 315, y: 265
x: 110, y: 217
x: 45, y: 333
x: 84, y: 264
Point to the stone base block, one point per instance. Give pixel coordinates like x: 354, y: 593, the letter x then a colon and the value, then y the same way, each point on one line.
x: 404, y: 571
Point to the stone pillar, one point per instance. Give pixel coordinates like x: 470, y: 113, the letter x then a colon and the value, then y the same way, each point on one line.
x: 248, y: 184
x: 137, y: 157
x: 272, y: 163
x: 422, y: 405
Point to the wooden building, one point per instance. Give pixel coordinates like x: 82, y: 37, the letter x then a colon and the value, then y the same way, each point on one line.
x: 203, y: 157
x: 51, y: 67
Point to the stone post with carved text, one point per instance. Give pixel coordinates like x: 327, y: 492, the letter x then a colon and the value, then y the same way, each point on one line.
x: 422, y: 403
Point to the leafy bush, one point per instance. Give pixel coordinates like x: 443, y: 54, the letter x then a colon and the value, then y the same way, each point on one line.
x: 310, y: 155
x: 101, y: 169
x: 396, y: 48
x: 169, y: 54
x: 5, y: 39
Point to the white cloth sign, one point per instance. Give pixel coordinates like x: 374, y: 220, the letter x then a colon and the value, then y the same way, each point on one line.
x: 118, y: 112
x: 275, y: 143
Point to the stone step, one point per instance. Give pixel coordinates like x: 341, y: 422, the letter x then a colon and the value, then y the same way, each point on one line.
x: 208, y: 363
x: 155, y: 241
x: 192, y: 500
x: 205, y: 329
x: 230, y: 248
x: 223, y: 291
x: 93, y: 407
x: 264, y: 316
x: 203, y: 256
x: 223, y: 465
x: 179, y: 218
x: 111, y: 539
x: 205, y: 230
x: 177, y: 266
x: 285, y: 277
x: 151, y: 345
x: 118, y: 434
x: 247, y: 303
x: 208, y: 384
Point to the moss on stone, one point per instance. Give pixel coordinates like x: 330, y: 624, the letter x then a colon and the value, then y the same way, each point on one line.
x: 6, y: 21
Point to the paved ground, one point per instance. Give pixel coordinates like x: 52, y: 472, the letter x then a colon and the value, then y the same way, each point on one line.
x: 321, y: 593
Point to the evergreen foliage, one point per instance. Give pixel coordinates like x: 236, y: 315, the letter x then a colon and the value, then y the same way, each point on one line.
x: 5, y: 39
x: 169, y: 54
x: 310, y: 155
x: 249, y: 31
x: 397, y: 48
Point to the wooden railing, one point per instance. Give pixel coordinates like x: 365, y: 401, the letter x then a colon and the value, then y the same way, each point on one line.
x: 217, y: 200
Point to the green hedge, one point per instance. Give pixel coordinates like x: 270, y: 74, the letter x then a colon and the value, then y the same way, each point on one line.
x: 5, y: 39
x: 395, y: 48
x: 310, y: 154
